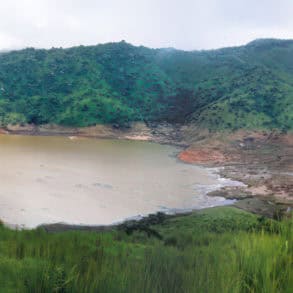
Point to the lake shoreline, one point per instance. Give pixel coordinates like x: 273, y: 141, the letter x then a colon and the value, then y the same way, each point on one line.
x: 162, y: 133
x: 208, y: 153
x: 262, y: 161
x: 84, y: 181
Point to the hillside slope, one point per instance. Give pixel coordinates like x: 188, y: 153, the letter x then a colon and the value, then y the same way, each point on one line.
x: 242, y: 87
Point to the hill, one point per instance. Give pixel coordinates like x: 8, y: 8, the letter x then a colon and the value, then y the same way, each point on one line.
x: 247, y: 87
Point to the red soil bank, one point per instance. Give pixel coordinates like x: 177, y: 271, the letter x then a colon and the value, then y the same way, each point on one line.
x: 201, y: 156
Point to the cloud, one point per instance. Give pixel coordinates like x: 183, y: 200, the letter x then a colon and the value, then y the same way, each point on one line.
x: 184, y: 24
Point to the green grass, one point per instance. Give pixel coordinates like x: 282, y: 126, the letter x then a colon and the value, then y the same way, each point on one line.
x: 216, y: 250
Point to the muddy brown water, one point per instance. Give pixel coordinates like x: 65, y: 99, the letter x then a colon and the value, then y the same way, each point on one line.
x: 92, y: 182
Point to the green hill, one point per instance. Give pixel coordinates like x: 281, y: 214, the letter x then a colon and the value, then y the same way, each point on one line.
x: 241, y: 87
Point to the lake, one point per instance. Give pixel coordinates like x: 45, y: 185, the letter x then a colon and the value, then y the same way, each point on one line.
x: 96, y: 181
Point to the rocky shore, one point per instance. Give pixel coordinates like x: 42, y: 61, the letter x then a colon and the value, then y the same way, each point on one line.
x: 262, y: 161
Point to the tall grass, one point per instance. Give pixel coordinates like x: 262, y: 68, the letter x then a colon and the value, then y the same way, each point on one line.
x: 247, y: 256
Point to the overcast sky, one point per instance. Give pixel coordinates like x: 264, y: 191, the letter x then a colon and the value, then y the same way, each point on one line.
x: 183, y: 24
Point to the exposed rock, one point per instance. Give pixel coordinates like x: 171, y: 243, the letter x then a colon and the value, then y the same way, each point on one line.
x: 232, y: 192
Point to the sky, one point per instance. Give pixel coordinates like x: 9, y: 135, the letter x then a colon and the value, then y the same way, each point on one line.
x: 182, y: 24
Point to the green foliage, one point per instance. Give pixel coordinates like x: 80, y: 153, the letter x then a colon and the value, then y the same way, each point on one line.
x: 13, y: 119
x: 242, y: 87
x: 216, y: 250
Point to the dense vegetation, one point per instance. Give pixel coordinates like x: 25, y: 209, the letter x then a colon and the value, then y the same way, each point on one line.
x: 217, y: 250
x: 242, y: 87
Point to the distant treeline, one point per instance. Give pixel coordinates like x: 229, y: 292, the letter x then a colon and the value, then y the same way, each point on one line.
x: 241, y: 87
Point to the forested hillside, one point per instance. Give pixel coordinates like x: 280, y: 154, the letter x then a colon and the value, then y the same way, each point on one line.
x: 241, y: 87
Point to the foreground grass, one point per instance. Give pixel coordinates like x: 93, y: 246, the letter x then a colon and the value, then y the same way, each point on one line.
x: 216, y: 250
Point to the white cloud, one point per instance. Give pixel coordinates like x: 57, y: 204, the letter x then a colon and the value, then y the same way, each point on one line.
x: 7, y: 41
x: 185, y: 24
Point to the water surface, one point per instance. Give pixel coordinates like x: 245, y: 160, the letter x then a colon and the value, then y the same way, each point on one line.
x: 88, y: 181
